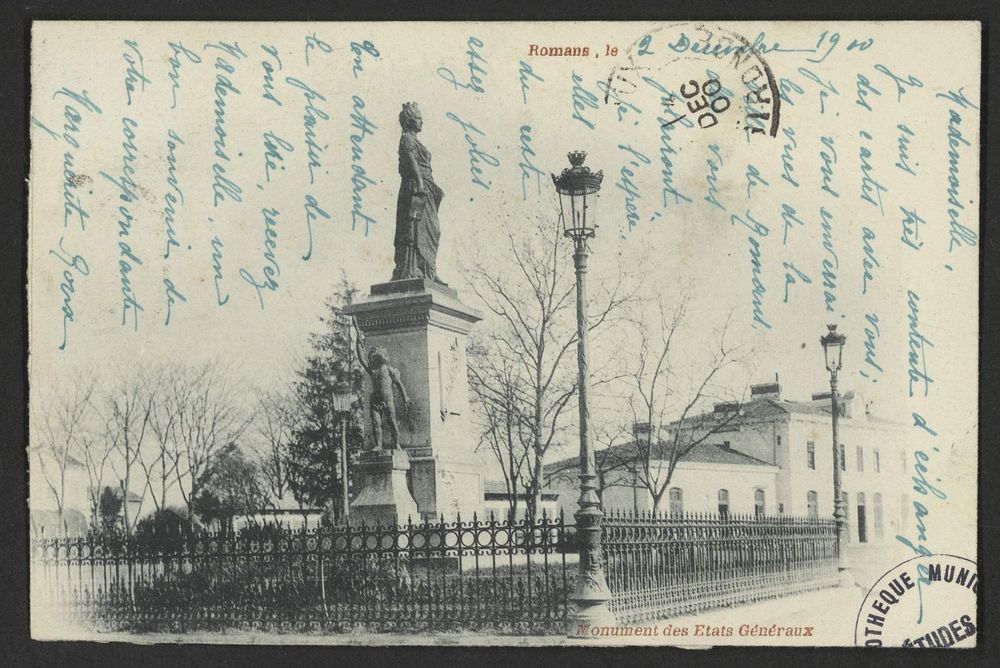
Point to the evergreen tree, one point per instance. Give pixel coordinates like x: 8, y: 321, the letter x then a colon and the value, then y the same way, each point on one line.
x: 314, y: 471
x: 109, y: 507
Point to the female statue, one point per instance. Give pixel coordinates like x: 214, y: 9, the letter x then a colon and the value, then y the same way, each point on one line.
x: 417, y: 227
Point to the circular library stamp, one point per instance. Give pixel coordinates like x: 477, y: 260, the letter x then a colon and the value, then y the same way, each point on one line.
x: 927, y: 601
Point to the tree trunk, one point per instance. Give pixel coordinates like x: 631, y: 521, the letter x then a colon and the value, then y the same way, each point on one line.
x: 534, y: 490
x: 657, y: 498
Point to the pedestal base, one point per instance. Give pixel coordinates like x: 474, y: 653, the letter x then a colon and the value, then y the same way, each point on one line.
x: 384, y: 498
x: 447, y: 485
x: 423, y: 327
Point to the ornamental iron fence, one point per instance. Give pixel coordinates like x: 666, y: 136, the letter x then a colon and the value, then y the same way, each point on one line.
x: 506, y: 576
x: 501, y: 576
x: 659, y: 565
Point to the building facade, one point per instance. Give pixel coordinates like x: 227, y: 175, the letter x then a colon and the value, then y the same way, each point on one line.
x: 708, y: 479
x: 770, y: 456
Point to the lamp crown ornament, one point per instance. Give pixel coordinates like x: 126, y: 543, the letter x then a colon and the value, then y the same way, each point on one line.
x: 577, y: 179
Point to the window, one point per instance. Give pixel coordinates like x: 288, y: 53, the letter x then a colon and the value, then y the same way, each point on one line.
x: 812, y: 504
x: 861, y: 459
x: 758, y: 503
x: 723, y: 502
x: 676, y: 501
x: 811, y: 455
x: 843, y: 458
x: 878, y: 461
x: 862, y: 519
x: 877, y: 513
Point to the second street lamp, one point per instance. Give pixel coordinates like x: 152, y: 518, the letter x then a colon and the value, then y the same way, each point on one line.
x: 343, y: 397
x: 578, y: 189
x: 833, y: 351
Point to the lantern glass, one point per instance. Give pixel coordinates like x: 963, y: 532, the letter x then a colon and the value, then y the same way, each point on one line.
x: 833, y: 348
x: 342, y: 397
x: 577, y: 211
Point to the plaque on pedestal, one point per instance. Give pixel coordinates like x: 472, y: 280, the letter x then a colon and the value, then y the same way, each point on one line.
x: 384, y: 497
x: 423, y: 327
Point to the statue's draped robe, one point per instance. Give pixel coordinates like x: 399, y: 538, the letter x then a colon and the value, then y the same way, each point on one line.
x: 417, y: 229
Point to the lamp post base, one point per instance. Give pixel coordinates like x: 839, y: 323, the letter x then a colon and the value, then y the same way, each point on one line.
x: 844, y: 576
x: 586, y: 616
x: 591, y: 592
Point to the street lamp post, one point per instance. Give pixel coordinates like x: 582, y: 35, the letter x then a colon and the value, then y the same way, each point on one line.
x: 343, y: 397
x: 578, y: 188
x: 833, y: 351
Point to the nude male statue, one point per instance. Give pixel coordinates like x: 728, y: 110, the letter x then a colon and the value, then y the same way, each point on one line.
x: 382, y: 403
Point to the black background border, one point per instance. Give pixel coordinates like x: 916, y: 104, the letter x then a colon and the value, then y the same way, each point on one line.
x: 16, y: 648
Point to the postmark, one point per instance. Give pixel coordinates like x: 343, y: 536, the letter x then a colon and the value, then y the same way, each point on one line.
x: 926, y: 602
x: 700, y: 79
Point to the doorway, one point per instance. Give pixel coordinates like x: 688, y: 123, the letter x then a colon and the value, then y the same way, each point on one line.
x: 862, y: 526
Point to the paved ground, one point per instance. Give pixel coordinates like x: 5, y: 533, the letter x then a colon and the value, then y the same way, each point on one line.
x: 829, y: 613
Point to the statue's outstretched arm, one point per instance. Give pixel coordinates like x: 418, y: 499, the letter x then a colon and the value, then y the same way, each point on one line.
x: 398, y: 382
x: 359, y: 344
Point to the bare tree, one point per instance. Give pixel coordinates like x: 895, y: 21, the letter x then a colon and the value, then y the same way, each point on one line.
x: 662, y: 389
x: 98, y: 452
x: 529, y: 286
x: 58, y: 437
x: 505, y: 430
x: 157, y: 463
x: 611, y: 466
x: 128, y: 403
x: 274, y: 425
x: 211, y: 418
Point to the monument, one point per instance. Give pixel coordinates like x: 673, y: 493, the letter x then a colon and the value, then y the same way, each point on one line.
x: 413, y: 332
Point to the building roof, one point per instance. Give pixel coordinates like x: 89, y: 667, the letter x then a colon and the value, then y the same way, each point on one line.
x: 720, y: 454
x: 45, y: 523
x: 703, y: 453
x: 766, y: 404
x: 499, y: 488
x: 117, y: 491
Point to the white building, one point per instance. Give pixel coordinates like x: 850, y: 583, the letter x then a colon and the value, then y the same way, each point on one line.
x: 769, y: 456
x: 708, y: 479
x: 496, y: 502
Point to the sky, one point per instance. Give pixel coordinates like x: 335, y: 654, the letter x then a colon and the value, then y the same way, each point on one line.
x: 677, y: 205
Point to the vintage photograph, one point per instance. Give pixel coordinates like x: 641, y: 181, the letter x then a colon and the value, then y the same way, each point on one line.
x: 504, y: 333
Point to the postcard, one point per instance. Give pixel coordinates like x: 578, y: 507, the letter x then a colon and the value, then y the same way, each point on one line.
x: 504, y: 333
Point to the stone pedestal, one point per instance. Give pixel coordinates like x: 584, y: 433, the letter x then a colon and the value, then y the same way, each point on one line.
x: 384, y: 497
x: 424, y: 327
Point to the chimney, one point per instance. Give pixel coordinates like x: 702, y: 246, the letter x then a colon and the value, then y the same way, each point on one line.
x: 765, y: 391
x: 640, y: 431
x: 843, y: 404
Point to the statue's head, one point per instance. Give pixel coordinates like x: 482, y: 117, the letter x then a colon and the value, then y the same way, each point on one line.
x: 340, y: 370
x: 377, y: 356
x: 410, y: 118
